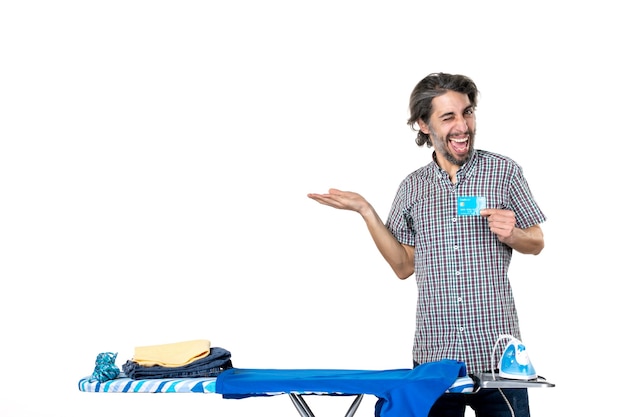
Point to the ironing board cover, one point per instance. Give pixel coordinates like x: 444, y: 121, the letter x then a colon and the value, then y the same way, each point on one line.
x: 125, y: 384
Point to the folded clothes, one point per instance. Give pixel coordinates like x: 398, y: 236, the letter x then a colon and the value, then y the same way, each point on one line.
x: 172, y: 354
x: 218, y: 360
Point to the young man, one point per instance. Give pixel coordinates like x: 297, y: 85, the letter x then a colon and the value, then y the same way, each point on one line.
x: 454, y: 224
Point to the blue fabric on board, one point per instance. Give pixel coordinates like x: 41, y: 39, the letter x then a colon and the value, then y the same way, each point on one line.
x: 401, y: 392
x: 105, y: 369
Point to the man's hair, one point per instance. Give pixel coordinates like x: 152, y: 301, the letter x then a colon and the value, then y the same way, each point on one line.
x: 434, y: 85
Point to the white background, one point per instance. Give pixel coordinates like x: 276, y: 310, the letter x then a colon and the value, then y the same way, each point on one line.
x: 155, y: 158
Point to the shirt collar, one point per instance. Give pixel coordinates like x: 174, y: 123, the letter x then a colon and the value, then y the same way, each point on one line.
x: 465, y: 170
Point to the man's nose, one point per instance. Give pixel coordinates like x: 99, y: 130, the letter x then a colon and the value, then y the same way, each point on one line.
x: 461, y: 125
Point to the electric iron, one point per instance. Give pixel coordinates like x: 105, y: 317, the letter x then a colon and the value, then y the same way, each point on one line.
x: 514, y: 362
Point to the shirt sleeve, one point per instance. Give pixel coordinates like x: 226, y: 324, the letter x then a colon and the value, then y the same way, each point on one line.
x: 399, y: 221
x: 527, y: 211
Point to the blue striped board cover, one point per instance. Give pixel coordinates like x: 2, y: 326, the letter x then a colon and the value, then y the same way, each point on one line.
x: 124, y: 384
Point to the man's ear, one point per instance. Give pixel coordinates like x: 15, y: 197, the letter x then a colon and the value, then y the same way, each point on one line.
x: 423, y: 126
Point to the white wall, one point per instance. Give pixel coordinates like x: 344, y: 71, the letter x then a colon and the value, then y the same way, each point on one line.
x: 155, y: 158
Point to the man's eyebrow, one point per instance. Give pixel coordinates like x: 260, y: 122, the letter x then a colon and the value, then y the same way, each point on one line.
x: 451, y: 113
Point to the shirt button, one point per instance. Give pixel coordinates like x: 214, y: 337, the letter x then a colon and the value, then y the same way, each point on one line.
x: 461, y: 328
x: 459, y: 299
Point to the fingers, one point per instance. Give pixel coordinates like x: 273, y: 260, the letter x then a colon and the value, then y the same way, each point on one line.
x: 331, y: 200
x: 331, y: 191
x: 498, y: 214
x: 345, y: 200
x: 501, y: 222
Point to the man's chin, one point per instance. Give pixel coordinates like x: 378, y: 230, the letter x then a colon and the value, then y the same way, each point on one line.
x: 459, y: 159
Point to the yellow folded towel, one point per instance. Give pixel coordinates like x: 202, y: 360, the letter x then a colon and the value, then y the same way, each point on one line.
x: 172, y: 354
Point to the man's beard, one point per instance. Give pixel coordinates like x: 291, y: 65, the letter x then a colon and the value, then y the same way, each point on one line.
x: 441, y: 146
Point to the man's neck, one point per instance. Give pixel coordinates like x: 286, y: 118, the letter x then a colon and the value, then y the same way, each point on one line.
x: 447, y: 166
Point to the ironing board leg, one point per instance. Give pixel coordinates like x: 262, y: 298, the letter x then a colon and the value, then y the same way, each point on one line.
x: 301, y: 405
x: 305, y: 411
x: 354, y: 406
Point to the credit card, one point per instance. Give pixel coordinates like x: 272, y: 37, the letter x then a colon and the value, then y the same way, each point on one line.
x: 470, y: 205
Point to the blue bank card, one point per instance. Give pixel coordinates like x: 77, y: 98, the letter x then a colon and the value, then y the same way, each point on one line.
x: 470, y: 205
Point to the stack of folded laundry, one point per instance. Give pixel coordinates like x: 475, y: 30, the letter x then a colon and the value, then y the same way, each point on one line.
x: 190, y: 359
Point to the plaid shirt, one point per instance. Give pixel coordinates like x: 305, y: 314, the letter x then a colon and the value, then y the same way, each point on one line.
x: 465, y: 300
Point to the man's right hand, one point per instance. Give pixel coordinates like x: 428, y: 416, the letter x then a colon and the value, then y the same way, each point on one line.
x: 344, y: 200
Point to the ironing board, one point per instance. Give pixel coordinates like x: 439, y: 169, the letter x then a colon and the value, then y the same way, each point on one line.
x: 242, y: 383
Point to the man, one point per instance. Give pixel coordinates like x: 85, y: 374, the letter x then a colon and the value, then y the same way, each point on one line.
x: 454, y: 223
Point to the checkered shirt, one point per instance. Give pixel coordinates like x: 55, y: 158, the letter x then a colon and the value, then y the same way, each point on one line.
x: 464, y: 300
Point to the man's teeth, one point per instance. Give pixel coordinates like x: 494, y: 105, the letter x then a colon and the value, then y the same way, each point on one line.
x: 459, y: 140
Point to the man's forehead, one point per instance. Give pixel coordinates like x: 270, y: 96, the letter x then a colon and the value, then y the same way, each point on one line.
x: 451, y: 102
